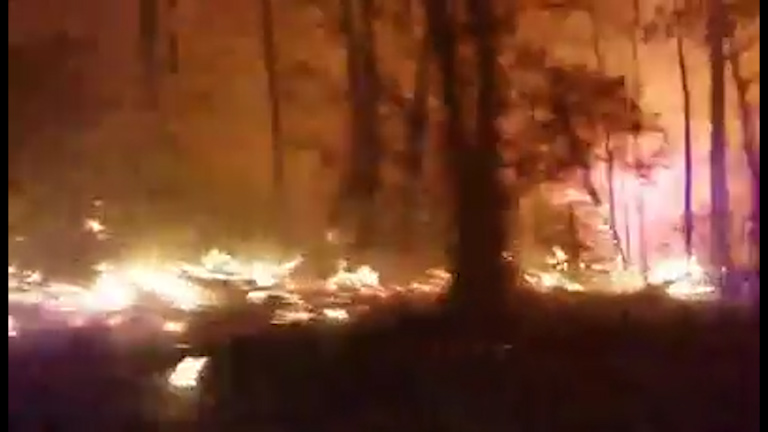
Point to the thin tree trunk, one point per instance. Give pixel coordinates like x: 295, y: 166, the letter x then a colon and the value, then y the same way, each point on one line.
x: 152, y: 101
x: 642, y: 246
x: 600, y: 64
x: 149, y: 33
x: 346, y: 188
x: 564, y: 118
x: 417, y: 116
x: 627, y: 228
x: 408, y: 9
x: 688, y: 141
x: 573, y: 247
x: 370, y: 148
x: 610, y: 162
x: 441, y: 27
x: 719, y: 194
x: 173, y: 62
x: 278, y: 162
x: 749, y: 135
x: 359, y: 185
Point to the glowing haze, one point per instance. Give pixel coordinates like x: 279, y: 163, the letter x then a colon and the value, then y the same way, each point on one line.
x: 222, y: 122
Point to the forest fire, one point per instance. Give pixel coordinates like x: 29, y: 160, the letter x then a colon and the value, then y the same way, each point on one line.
x: 183, y: 287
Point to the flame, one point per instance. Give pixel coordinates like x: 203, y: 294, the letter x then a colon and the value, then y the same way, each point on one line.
x: 292, y: 316
x: 222, y: 266
x: 13, y: 330
x: 363, y: 276
x: 186, y: 374
x: 336, y: 314
x: 675, y: 269
x: 174, y: 327
x: 118, y: 288
x: 94, y: 225
x: 686, y: 279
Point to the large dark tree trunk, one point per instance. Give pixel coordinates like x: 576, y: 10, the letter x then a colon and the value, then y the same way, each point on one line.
x: 479, y: 287
x: 719, y: 194
x: 688, y: 142
x: 361, y: 183
x: 278, y: 162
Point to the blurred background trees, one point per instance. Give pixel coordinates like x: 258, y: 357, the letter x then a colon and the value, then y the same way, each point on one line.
x: 362, y: 128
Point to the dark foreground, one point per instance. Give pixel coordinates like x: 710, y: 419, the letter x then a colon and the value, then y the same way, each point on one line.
x: 553, y: 374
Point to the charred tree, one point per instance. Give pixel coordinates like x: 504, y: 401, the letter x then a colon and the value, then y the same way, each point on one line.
x: 479, y: 287
x: 149, y: 33
x: 273, y: 89
x: 719, y: 194
x: 749, y: 147
x: 687, y: 137
x: 347, y: 187
x: 370, y: 148
x: 361, y: 183
x: 416, y: 123
x: 642, y: 246
x: 610, y: 161
x: 676, y: 24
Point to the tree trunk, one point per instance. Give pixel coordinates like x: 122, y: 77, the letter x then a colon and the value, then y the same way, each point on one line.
x: 627, y: 230
x: 478, y: 288
x: 688, y: 141
x: 564, y: 117
x: 417, y: 117
x: 149, y: 33
x: 346, y: 190
x: 573, y: 246
x: 152, y: 101
x: 749, y: 146
x: 278, y: 162
x: 600, y: 64
x: 719, y: 194
x: 371, y: 146
x: 642, y: 246
x: 361, y: 183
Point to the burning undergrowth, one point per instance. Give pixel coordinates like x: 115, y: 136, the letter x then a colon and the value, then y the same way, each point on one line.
x: 164, y: 294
